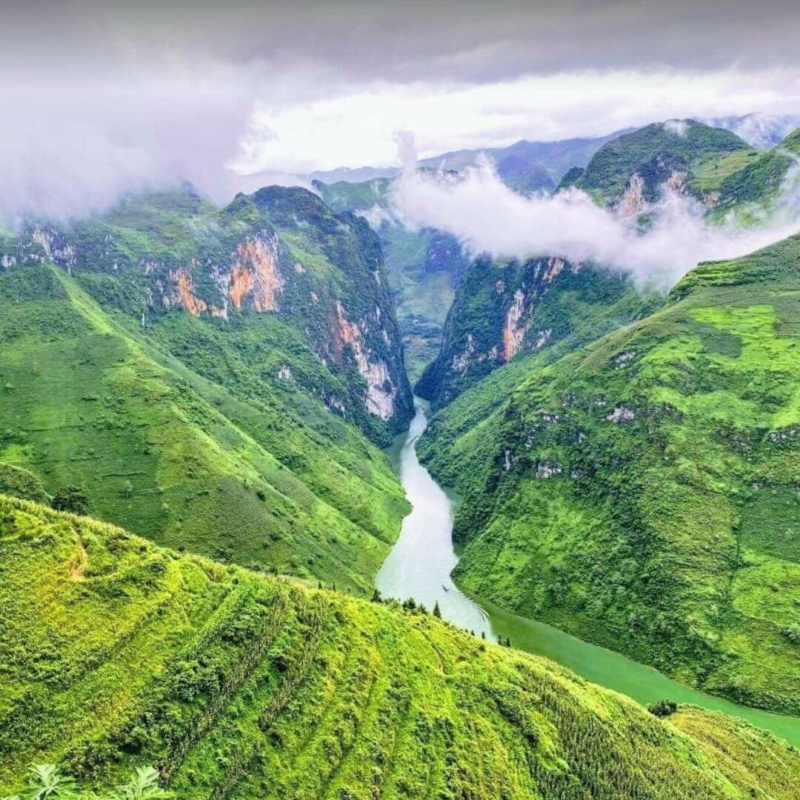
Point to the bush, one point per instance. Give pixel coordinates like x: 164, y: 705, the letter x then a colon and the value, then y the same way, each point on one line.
x: 71, y: 499
x: 663, y: 708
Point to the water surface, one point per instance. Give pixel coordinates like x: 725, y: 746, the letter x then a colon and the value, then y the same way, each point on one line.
x: 420, y: 564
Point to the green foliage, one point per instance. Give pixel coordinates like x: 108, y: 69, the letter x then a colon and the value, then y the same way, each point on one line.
x: 72, y: 499
x: 148, y: 369
x: 663, y: 708
x: 237, y: 685
x: 642, y: 493
x: 21, y: 483
x: 46, y: 781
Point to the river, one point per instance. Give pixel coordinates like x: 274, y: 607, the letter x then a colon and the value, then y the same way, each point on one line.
x: 420, y: 564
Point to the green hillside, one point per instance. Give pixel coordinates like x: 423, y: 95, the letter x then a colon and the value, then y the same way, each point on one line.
x: 642, y: 493
x: 698, y: 153
x: 115, y: 653
x: 762, y: 177
x: 210, y: 405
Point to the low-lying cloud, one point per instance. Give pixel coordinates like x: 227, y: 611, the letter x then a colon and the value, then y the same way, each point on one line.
x: 488, y: 217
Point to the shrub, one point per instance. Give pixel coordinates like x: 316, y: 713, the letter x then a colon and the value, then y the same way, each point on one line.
x: 72, y: 499
x: 663, y: 708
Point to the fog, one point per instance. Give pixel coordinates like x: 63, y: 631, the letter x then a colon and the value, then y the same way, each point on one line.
x: 487, y: 217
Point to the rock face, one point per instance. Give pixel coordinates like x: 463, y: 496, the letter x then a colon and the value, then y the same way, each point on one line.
x: 507, y: 308
x: 279, y: 252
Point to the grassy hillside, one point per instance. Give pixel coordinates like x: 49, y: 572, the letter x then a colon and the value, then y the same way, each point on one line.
x: 212, y: 459
x: 116, y: 653
x: 642, y: 493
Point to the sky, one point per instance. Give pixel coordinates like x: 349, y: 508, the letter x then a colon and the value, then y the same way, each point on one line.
x: 101, y: 97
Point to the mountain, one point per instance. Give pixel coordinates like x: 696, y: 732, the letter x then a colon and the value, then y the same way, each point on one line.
x: 631, y: 169
x: 553, y: 159
x: 202, y: 375
x: 117, y: 653
x: 424, y: 267
x: 641, y: 492
x: 506, y: 308
x: 761, y: 178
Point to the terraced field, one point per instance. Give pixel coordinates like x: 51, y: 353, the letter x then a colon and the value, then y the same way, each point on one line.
x: 115, y: 652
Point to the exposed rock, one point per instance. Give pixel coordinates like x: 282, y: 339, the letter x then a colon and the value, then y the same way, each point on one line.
x: 548, y: 469
x: 255, y: 273
x: 381, y: 392
x: 620, y: 415
x: 632, y: 203
x: 514, y: 330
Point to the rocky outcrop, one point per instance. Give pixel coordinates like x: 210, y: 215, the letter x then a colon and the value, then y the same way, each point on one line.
x: 506, y: 308
x: 278, y: 252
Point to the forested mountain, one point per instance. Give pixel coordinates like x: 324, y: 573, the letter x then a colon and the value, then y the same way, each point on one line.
x: 119, y: 653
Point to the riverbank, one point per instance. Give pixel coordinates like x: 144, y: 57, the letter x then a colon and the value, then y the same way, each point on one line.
x: 423, y: 558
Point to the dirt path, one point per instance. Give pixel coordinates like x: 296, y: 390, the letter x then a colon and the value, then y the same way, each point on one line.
x: 78, y: 571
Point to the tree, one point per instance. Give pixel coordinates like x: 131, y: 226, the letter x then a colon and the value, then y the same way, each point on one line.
x: 663, y: 708
x: 437, y: 612
x: 127, y: 489
x: 72, y: 499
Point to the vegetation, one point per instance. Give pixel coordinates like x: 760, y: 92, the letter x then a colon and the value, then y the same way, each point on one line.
x: 45, y: 781
x: 657, y: 151
x: 224, y: 436
x: 642, y: 493
x: 424, y: 267
x: 505, y: 308
x: 237, y: 685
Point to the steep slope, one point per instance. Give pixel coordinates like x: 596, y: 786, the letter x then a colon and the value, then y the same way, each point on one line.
x: 424, y: 267
x: 643, y: 493
x: 760, y: 180
x: 209, y: 429
x: 630, y: 171
x: 277, y: 259
x: 506, y: 309
x: 116, y: 653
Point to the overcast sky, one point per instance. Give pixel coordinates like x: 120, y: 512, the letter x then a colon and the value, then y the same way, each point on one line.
x: 100, y: 97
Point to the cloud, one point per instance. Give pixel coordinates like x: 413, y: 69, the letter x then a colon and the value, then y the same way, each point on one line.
x: 101, y: 98
x: 486, y: 216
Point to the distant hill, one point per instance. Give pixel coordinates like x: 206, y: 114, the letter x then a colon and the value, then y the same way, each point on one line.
x: 762, y: 131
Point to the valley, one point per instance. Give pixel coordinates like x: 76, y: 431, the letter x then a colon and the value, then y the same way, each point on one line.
x: 420, y: 567
x: 590, y: 507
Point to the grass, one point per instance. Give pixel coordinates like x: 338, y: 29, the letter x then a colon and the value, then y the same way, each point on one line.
x: 116, y: 653
x: 641, y: 493
x: 220, y: 460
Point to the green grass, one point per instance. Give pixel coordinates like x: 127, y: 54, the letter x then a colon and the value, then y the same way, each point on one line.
x: 642, y: 493
x: 220, y: 459
x: 116, y: 653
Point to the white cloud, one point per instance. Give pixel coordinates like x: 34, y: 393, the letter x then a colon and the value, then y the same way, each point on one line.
x: 357, y: 125
x: 488, y: 217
